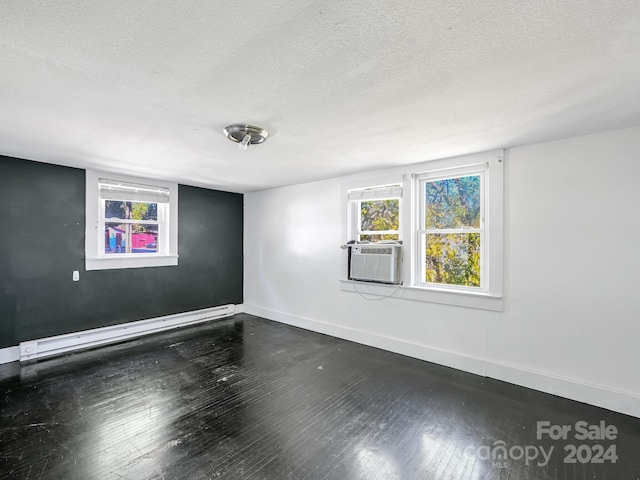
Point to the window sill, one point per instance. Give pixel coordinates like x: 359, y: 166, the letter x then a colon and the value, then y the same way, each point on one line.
x: 482, y: 301
x: 111, y: 263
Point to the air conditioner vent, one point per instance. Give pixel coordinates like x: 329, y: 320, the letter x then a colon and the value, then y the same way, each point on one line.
x: 376, y: 251
x: 376, y: 263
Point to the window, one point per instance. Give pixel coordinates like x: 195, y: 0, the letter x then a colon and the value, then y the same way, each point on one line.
x: 131, y: 222
x: 450, y: 238
x: 449, y: 215
x: 457, y: 226
x: 376, y: 213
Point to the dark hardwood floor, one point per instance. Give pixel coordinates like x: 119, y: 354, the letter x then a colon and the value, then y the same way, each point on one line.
x: 246, y: 398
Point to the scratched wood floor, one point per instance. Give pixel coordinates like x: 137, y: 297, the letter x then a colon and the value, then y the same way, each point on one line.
x: 246, y: 398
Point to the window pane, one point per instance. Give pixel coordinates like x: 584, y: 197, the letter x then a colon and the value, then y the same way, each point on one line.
x: 377, y: 238
x: 453, y: 203
x: 144, y: 238
x: 376, y: 215
x: 453, y: 259
x: 130, y: 238
x: 130, y: 210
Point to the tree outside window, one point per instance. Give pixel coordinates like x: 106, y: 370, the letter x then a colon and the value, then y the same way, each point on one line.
x: 452, y: 231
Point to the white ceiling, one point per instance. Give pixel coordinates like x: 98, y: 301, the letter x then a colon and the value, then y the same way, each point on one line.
x: 146, y: 87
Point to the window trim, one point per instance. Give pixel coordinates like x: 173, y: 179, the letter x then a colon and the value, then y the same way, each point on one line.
x: 494, y: 221
x: 94, y: 237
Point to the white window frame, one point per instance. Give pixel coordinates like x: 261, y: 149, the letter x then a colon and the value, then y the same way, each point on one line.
x: 490, y: 295
x: 421, y: 231
x: 167, y: 251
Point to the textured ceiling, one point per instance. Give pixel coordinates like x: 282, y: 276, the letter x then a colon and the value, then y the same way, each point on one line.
x: 146, y: 87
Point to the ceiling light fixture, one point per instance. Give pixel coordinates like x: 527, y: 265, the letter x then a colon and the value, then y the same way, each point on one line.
x: 245, y: 135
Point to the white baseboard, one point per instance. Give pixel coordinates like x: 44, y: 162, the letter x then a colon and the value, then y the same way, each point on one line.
x: 9, y: 354
x: 442, y: 357
x: 617, y: 401
x: 605, y: 397
x: 46, y: 347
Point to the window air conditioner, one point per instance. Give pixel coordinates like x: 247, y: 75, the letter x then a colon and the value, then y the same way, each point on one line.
x: 381, y: 263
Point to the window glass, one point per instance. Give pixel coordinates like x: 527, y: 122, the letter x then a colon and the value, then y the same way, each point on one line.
x: 452, y: 259
x: 453, y: 202
x: 379, y: 216
x: 451, y: 233
x: 130, y: 210
x: 130, y: 238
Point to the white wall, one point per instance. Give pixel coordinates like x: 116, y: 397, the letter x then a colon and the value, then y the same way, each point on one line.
x: 571, y: 321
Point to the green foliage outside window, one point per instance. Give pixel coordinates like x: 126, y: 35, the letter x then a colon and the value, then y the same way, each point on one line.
x: 130, y: 210
x: 453, y: 258
x: 379, y: 215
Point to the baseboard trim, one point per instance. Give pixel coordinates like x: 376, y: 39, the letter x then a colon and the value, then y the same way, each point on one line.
x: 9, y: 354
x: 604, y: 397
x: 447, y: 358
x: 60, y: 344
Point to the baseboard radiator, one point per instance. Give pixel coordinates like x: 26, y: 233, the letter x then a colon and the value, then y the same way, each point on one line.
x: 47, y: 347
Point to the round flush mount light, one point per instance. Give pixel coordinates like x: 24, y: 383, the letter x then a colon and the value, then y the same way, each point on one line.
x: 245, y: 135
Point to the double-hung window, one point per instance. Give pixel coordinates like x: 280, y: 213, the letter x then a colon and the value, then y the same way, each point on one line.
x: 133, y: 217
x: 457, y: 237
x: 131, y: 222
x: 451, y: 236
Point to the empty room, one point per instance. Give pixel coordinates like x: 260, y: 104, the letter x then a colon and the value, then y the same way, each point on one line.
x: 319, y: 240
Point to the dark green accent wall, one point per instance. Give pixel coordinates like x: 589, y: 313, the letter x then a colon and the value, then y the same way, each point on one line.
x: 42, y: 242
